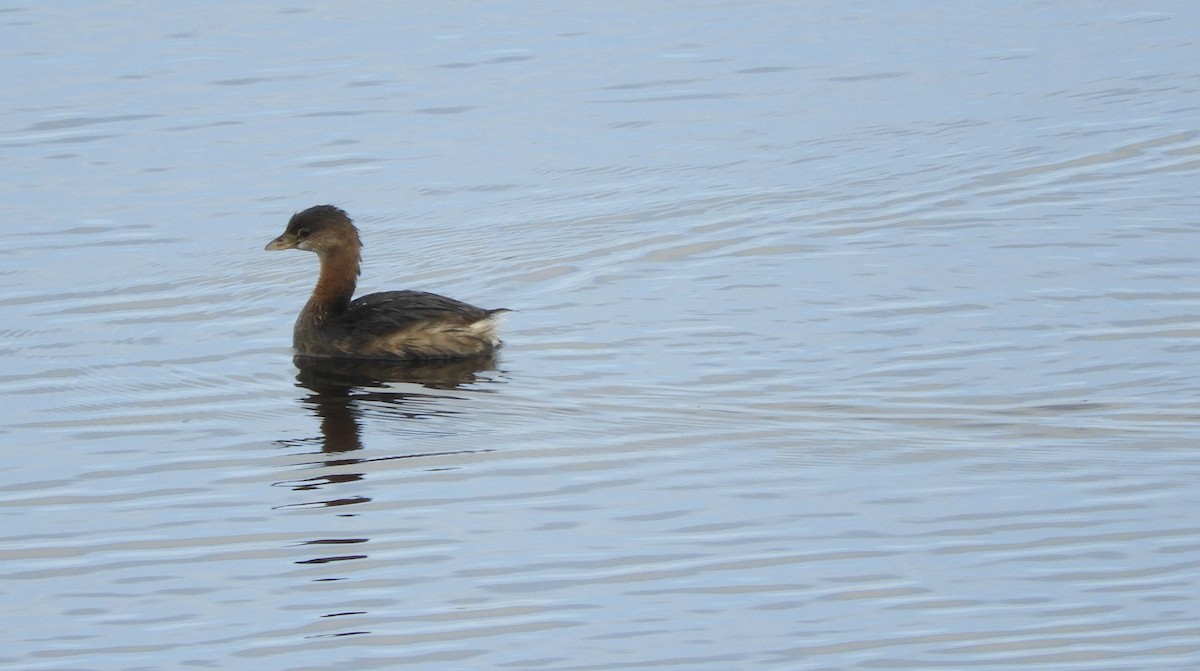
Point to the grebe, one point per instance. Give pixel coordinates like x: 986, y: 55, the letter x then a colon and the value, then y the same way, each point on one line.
x: 396, y: 325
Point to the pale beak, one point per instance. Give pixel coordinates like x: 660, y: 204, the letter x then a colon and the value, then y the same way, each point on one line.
x: 284, y: 241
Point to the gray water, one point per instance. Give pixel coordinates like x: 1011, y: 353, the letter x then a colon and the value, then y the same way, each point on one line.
x: 846, y: 336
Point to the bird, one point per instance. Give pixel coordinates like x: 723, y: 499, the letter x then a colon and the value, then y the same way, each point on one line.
x: 389, y: 325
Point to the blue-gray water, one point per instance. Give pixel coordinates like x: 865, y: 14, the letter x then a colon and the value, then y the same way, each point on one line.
x: 847, y: 336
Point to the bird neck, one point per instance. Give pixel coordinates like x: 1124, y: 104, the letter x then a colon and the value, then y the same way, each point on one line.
x: 335, y: 284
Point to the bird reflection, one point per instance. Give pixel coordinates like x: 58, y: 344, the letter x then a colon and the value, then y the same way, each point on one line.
x: 340, y: 389
x: 338, y: 393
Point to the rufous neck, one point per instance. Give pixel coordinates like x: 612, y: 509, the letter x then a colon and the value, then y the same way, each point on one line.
x: 335, y: 284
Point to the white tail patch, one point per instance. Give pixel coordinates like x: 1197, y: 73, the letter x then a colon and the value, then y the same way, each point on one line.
x: 484, y: 329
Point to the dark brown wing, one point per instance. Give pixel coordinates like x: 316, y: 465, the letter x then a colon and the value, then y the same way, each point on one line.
x: 413, y: 325
x: 400, y: 309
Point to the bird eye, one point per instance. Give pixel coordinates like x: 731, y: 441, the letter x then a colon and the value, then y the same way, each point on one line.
x: 302, y: 233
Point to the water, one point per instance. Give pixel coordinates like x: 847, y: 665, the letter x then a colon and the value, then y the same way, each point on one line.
x: 846, y: 337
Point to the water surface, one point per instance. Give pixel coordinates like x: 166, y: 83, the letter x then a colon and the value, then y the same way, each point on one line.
x: 845, y: 337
